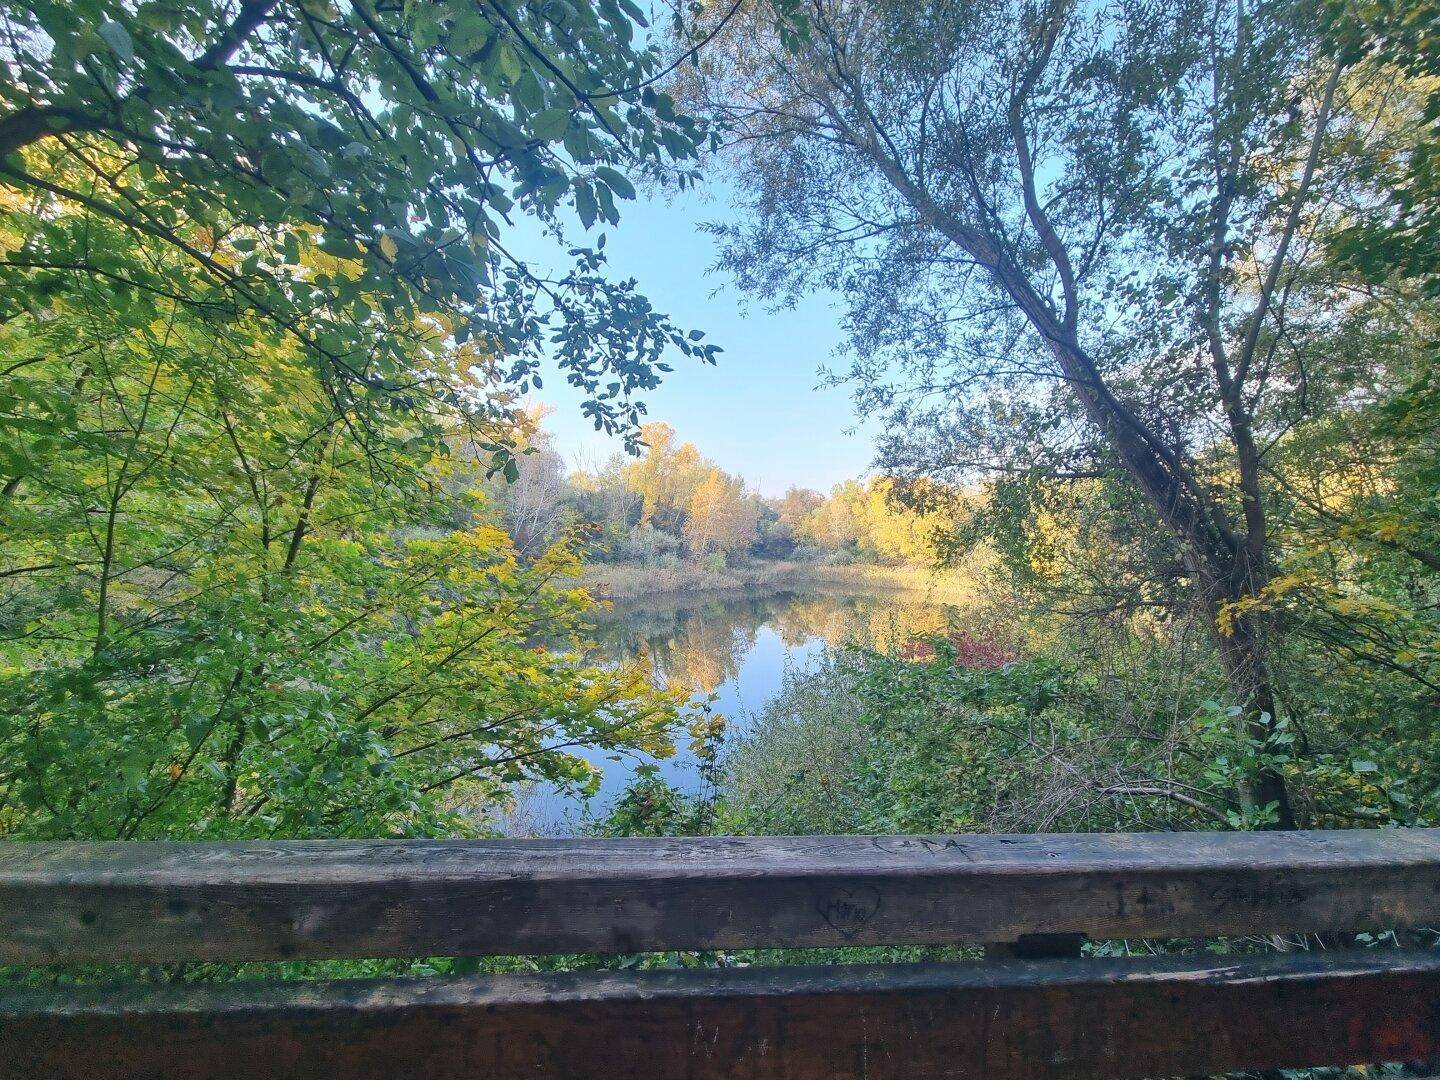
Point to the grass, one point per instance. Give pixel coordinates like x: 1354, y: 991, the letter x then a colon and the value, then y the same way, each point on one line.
x: 941, y: 586
x: 618, y: 581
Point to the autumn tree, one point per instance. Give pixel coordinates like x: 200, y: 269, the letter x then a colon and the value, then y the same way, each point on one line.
x: 894, y: 531
x: 1075, y: 241
x: 1396, y: 239
x: 664, y: 477
x: 722, y: 516
x: 835, y: 523
x: 255, y: 288
x: 796, y: 504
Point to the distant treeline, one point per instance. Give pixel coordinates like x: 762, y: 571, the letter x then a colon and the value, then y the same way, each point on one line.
x: 673, y: 504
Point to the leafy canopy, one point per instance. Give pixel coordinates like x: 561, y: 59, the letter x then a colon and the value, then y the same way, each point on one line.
x: 399, y: 139
x: 228, y: 609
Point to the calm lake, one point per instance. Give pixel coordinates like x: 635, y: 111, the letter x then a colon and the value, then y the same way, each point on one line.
x: 736, y: 647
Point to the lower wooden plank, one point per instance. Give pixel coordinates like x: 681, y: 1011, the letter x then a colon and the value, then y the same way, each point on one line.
x: 1054, y: 1018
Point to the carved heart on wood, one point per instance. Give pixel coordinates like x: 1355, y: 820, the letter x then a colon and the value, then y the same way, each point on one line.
x: 848, y: 910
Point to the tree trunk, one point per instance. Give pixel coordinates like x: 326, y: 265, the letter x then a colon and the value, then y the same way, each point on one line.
x: 1228, y: 565
x: 1247, y: 675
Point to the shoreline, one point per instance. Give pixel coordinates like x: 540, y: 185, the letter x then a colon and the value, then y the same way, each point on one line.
x: 622, y: 582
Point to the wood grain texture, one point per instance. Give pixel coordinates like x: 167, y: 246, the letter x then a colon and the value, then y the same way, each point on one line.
x: 1055, y: 1018
x: 155, y: 902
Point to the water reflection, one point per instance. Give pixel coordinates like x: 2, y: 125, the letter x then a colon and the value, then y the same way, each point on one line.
x: 704, y: 642
x: 734, y: 649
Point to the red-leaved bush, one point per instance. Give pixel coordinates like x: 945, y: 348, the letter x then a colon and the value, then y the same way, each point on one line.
x: 985, y: 654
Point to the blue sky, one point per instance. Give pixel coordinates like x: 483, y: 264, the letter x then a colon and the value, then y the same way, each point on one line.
x: 756, y: 413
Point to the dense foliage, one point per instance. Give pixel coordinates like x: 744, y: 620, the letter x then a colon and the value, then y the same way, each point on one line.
x: 399, y: 140
x: 1122, y: 264
x: 260, y: 330
x: 1077, y: 736
x: 228, y: 612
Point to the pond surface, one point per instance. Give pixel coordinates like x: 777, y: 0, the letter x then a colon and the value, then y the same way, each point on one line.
x: 734, y: 648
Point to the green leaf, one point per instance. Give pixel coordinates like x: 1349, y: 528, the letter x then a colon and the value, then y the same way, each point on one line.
x: 509, y: 62
x: 550, y: 124
x: 616, y: 181
x: 470, y: 33
x: 634, y: 12
x: 529, y: 93
x: 118, y: 38
x: 586, y: 206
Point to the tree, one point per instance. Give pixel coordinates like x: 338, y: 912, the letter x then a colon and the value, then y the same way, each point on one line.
x: 534, y: 503
x: 835, y: 523
x: 1401, y: 233
x: 1397, y: 238
x: 665, y: 477
x: 796, y: 505
x: 245, y: 136
x: 894, y: 532
x: 1076, y: 241
x: 722, y: 516
x: 229, y: 609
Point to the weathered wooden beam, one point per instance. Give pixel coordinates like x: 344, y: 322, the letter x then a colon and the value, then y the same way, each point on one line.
x: 1055, y: 1018
x: 256, y: 901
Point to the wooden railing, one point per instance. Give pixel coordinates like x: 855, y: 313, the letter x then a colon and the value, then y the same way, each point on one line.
x: 1079, y: 1016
